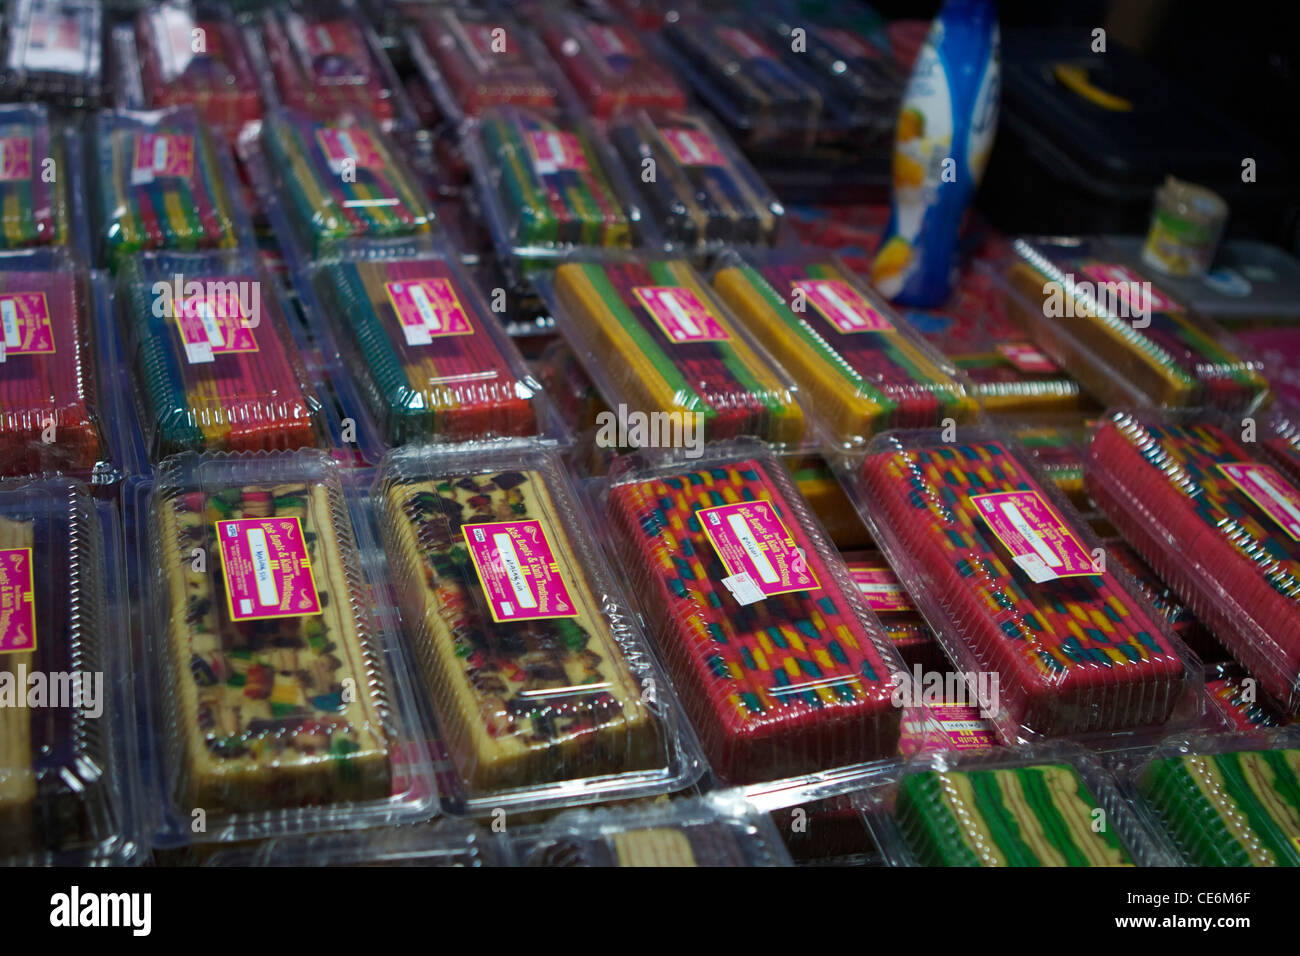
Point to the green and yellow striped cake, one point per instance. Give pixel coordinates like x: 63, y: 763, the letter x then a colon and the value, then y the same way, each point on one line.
x: 1041, y: 815
x: 1229, y: 809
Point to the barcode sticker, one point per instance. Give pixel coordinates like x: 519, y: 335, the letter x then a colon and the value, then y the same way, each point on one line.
x: 1035, y: 567
x: 743, y: 588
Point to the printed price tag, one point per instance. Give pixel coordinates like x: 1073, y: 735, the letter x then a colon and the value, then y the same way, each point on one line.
x: 518, y: 571
x: 25, y: 325
x: 692, y: 147
x: 1274, y: 495
x: 161, y: 155
x: 554, y: 151
x: 881, y: 587
x: 17, y: 601
x: 267, y: 571
x: 843, y: 306
x: 680, y: 313
x: 212, y: 325
x: 427, y: 309
x: 1029, y: 527
x: 750, y: 538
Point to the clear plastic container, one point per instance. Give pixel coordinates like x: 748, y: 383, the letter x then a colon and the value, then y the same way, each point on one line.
x: 161, y: 184
x: 885, y: 595
x: 65, y: 774
x: 657, y: 341
x: 1044, y: 806
x: 197, y: 55
x: 829, y: 502
x: 280, y: 708
x: 1121, y: 336
x: 213, y: 359
x: 1058, y: 444
x: 55, y: 387
x: 779, y: 665
x: 341, y: 178
x: 1008, y: 575
x: 548, y: 187
x: 325, y: 61
x: 863, y: 368
x: 1226, y: 800
x: 609, y: 65
x: 430, y: 360
x: 1232, y: 692
x: 734, y: 67
x: 539, y: 678
x: 1009, y: 375
x: 448, y: 843
x: 718, y: 830
x: 847, y: 59
x: 1216, y: 523
x: 704, y: 194
x: 473, y: 60
x: 55, y: 51
x: 33, y: 211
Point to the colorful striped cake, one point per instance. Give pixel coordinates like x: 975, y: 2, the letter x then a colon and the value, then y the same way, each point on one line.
x: 1035, y: 815
x: 1236, y: 808
x: 1074, y: 651
x: 789, y: 683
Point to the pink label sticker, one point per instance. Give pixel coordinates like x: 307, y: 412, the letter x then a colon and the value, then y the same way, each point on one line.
x: 15, y: 158
x: 881, y: 587
x: 17, y: 601
x: 680, y: 313
x: 517, y: 570
x: 745, y: 44
x: 751, y: 540
x: 554, y: 151
x: 963, y: 726
x: 268, y: 573
x: 25, y: 327
x: 427, y: 309
x: 162, y: 155
x: 341, y: 145
x: 1030, y: 528
x: 842, y: 305
x: 1128, y: 283
x: 612, y: 41
x: 1027, y: 358
x: 692, y: 147
x: 212, y: 325
x: 1274, y: 495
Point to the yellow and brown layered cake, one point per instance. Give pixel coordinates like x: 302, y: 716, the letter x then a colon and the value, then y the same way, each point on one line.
x: 528, y: 680
x: 276, y: 696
